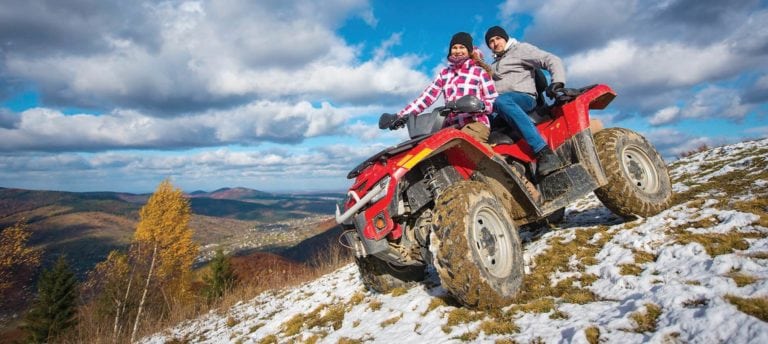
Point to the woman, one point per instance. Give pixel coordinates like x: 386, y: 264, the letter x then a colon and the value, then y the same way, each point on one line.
x: 465, y: 74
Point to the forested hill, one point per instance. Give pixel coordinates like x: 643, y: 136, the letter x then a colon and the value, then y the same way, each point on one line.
x: 85, y: 226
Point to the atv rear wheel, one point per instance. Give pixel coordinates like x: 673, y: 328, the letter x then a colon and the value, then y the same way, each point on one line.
x: 638, y: 182
x: 379, y: 276
x: 479, y: 256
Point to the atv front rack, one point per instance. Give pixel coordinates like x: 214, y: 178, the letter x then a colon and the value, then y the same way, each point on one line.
x: 377, y: 190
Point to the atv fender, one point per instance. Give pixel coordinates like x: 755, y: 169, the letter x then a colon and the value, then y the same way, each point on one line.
x: 473, y: 160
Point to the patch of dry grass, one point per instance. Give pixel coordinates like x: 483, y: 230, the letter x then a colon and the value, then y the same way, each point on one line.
x: 391, y: 321
x: 717, y: 243
x: 461, y: 316
x: 496, y: 326
x: 399, y: 291
x: 593, y: 334
x: 467, y: 336
x: 758, y: 255
x: 742, y: 279
x: 356, y: 298
x: 557, y: 258
x: 504, y: 341
x: 542, y: 305
x: 757, y: 206
x: 646, y: 320
x: 756, y: 307
x: 345, y: 340
x: 231, y: 322
x: 559, y: 315
x: 434, y: 303
x: 270, y: 339
x: 630, y: 269
x: 375, y: 305
x: 642, y: 257
x: 732, y: 183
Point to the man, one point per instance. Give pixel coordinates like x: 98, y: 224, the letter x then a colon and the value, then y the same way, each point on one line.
x: 513, y: 67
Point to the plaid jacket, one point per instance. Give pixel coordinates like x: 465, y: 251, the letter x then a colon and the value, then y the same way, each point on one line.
x: 454, y: 82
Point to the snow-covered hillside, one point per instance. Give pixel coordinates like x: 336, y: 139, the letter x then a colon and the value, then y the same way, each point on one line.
x: 697, y: 272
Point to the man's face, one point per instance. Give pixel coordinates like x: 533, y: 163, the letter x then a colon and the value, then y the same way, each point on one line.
x: 497, y: 44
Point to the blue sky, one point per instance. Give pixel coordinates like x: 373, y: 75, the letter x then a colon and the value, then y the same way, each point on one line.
x: 101, y: 95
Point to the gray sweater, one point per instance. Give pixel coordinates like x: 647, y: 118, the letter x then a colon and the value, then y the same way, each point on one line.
x: 513, y: 69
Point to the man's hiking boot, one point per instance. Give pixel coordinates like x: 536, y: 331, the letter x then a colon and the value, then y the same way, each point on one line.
x: 547, y: 162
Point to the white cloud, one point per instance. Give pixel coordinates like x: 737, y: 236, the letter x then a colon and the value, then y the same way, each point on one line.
x: 714, y: 102
x: 209, y: 169
x: 654, y: 53
x: 260, y: 121
x: 671, y: 143
x: 383, y: 50
x: 758, y: 131
x: 629, y: 65
x: 213, y: 52
x: 665, y: 115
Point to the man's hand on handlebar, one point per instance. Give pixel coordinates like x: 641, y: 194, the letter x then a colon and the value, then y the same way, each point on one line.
x: 553, y: 88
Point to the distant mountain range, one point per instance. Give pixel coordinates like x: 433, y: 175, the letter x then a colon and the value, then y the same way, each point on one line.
x: 238, y: 193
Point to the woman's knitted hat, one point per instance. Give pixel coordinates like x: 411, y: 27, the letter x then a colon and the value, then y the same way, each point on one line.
x: 462, y: 38
x: 493, y: 32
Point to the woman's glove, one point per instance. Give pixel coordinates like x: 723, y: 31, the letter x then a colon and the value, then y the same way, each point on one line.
x: 391, y: 121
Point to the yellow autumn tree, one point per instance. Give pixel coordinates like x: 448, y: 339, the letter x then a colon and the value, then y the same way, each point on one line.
x: 164, y: 235
x: 17, y: 260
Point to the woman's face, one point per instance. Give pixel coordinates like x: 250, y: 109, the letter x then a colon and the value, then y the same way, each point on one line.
x: 459, y: 50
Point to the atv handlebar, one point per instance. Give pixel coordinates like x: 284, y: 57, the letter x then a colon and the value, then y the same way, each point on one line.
x: 465, y: 104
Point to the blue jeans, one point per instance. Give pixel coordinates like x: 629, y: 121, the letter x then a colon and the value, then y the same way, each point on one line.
x: 512, y: 107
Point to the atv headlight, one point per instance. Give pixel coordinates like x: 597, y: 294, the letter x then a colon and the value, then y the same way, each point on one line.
x: 382, y: 185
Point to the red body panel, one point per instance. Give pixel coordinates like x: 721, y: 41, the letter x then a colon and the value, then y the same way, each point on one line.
x: 569, y: 119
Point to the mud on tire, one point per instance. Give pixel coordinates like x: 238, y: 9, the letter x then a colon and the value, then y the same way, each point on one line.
x: 638, y: 182
x: 379, y: 276
x: 478, y: 254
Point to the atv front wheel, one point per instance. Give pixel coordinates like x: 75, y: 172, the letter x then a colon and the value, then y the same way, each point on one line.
x: 379, y: 276
x: 638, y: 182
x: 479, y: 256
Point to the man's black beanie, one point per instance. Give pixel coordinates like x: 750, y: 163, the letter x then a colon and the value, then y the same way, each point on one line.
x: 495, y: 31
x: 462, y: 38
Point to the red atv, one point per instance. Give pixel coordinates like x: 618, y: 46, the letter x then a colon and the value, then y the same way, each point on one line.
x: 444, y: 198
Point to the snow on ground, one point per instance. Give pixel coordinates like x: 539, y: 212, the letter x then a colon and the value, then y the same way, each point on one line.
x: 690, y: 286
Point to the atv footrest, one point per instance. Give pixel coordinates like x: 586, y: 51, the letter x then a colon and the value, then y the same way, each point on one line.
x: 555, y: 184
x: 569, y: 183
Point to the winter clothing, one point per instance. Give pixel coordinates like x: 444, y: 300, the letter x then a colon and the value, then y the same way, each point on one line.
x: 513, y: 69
x: 513, y: 107
x: 453, y: 82
x: 513, y: 73
x: 493, y: 32
x: 462, y: 38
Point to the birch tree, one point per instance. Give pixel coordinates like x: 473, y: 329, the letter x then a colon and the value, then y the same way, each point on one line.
x: 164, y: 234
